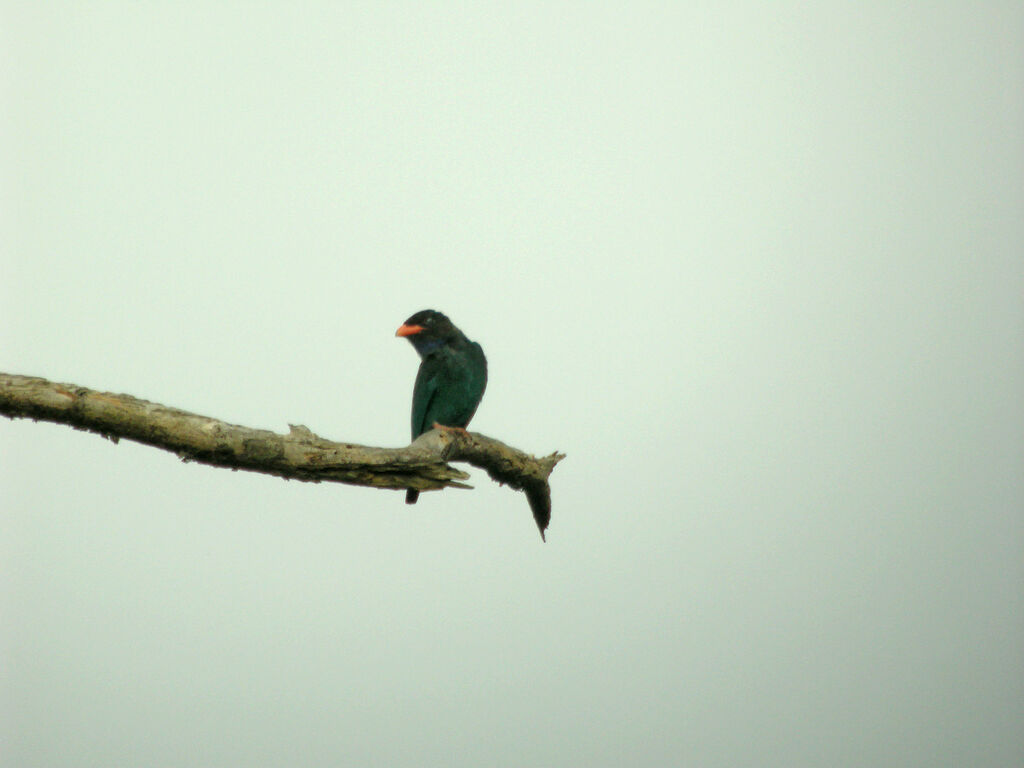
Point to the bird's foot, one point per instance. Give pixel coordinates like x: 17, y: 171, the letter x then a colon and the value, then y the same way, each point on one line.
x: 443, y: 428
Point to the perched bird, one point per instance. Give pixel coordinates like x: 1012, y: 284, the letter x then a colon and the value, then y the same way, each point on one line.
x: 451, y: 379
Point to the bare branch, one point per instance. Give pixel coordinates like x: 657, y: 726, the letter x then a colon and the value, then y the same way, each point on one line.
x: 299, y: 455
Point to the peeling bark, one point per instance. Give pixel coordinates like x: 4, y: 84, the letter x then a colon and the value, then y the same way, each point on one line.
x: 298, y: 455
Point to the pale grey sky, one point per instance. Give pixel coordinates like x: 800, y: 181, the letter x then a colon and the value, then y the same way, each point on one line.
x: 756, y: 268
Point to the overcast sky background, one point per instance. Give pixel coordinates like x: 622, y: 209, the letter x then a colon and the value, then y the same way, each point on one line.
x: 756, y: 268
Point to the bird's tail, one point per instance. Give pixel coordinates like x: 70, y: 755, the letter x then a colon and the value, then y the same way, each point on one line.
x: 411, y: 496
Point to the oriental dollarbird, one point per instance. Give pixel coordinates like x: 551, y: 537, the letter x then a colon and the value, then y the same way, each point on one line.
x: 451, y: 379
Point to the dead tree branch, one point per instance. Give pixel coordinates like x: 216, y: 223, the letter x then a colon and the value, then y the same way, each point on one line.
x: 298, y: 455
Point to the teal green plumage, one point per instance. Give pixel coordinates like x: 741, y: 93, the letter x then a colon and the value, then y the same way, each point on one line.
x: 451, y: 379
x: 449, y: 386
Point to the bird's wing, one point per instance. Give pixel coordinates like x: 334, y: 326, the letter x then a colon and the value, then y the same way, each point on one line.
x: 423, y: 394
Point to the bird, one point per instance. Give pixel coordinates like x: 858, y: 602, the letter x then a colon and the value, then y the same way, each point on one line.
x: 451, y: 379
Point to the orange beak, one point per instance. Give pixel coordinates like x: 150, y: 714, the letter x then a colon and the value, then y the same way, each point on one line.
x: 408, y: 330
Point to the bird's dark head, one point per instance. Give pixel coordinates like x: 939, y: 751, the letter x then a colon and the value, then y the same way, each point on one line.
x: 428, y: 330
